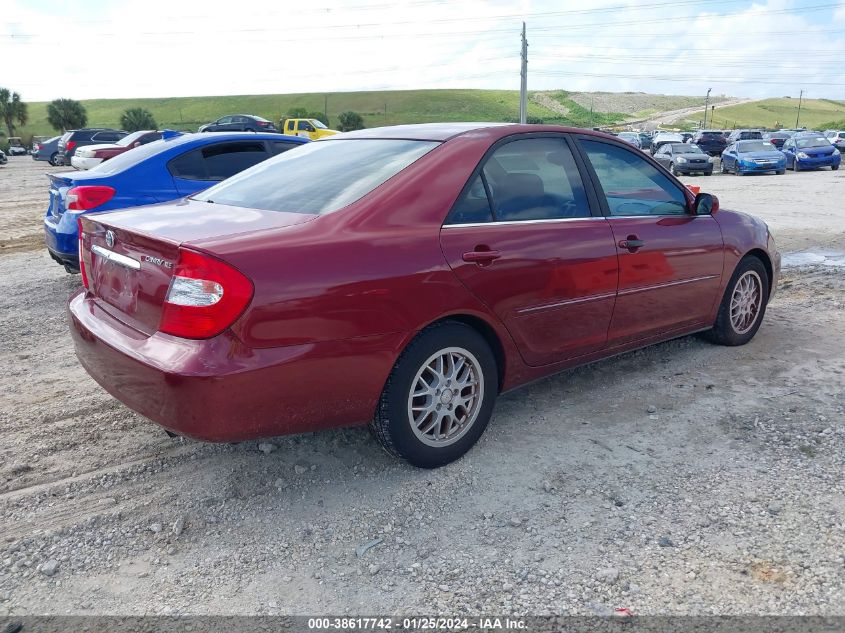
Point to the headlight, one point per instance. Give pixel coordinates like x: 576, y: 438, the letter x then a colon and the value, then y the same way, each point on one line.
x: 836, y: 152
x: 710, y: 159
x: 680, y: 159
x: 802, y: 155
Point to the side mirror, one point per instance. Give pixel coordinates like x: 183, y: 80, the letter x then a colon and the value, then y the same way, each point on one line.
x: 705, y: 204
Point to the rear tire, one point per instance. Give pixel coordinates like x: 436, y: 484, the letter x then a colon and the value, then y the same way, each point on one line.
x: 54, y: 159
x: 743, y: 304
x: 439, y: 397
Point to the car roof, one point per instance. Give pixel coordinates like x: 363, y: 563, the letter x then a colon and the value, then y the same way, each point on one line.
x: 445, y: 131
x: 209, y: 137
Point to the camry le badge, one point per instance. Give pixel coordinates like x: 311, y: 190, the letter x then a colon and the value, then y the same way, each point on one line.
x: 109, y: 238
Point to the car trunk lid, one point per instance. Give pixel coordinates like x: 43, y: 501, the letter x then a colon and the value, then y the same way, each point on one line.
x: 130, y: 256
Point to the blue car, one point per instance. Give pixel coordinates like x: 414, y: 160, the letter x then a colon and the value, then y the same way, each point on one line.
x: 811, y: 151
x: 163, y: 170
x: 746, y: 157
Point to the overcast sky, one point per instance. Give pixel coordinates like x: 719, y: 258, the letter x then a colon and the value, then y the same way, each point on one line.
x: 86, y: 49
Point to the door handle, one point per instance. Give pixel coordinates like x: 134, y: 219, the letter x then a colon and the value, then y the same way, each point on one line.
x: 632, y: 243
x: 481, y: 257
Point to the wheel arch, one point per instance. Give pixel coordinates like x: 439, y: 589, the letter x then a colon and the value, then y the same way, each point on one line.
x: 487, y: 331
x: 763, y: 256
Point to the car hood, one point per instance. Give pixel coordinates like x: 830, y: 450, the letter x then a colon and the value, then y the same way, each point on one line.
x: 769, y: 155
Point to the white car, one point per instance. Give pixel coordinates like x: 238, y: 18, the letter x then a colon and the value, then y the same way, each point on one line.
x: 661, y: 138
x: 90, y: 156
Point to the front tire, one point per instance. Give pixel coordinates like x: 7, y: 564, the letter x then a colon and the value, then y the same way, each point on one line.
x: 743, y: 304
x: 795, y: 166
x: 439, y: 397
x: 834, y: 168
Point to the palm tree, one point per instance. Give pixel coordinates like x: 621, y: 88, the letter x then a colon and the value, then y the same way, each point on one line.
x: 12, y: 110
x: 66, y: 114
x: 135, y: 119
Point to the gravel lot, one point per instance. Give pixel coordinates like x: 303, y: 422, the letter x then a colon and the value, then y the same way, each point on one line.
x: 684, y: 478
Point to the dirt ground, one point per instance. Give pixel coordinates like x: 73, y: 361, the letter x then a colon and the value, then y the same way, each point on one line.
x: 681, y: 479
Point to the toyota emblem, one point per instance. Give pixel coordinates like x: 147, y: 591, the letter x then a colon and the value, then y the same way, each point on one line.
x: 109, y: 239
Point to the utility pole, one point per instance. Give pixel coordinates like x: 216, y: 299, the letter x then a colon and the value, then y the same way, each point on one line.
x: 706, y: 102
x: 523, y: 74
x: 385, y: 114
x: 326, y: 107
x: 798, y: 116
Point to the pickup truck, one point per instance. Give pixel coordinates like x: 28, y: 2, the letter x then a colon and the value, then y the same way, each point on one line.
x: 309, y: 128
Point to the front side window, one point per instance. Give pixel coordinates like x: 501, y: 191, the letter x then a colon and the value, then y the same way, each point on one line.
x: 631, y: 185
x: 305, y: 126
x: 318, y: 178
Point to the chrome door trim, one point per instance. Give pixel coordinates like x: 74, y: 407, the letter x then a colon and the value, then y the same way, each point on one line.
x: 668, y: 284
x: 117, y: 258
x: 519, y: 222
x: 559, y: 304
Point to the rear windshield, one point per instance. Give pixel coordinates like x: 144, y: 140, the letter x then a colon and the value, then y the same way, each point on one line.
x: 812, y: 141
x: 716, y: 135
x: 750, y: 135
x: 318, y: 177
x: 755, y: 146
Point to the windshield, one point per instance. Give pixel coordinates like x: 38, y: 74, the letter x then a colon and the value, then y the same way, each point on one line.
x: 755, y: 146
x: 319, y: 124
x: 319, y: 177
x: 129, y: 158
x: 686, y: 148
x: 812, y: 141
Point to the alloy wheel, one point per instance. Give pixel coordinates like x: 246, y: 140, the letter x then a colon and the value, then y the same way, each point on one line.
x: 445, y: 396
x: 746, y: 301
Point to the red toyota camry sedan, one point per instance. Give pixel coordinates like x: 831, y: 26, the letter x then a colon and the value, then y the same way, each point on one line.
x: 404, y: 277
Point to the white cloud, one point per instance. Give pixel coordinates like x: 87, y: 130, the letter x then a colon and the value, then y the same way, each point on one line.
x: 159, y: 48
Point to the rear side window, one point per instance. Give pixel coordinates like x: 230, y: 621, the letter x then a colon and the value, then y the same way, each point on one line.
x: 219, y: 161
x: 149, y: 138
x: 227, y: 159
x: 277, y: 147
x: 631, y: 185
x: 528, y: 179
x: 107, y: 137
x: 319, y: 177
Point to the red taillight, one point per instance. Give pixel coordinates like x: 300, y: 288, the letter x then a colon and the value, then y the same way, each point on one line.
x: 69, y: 146
x: 102, y: 153
x: 87, y: 197
x: 205, y: 297
x: 38, y: 147
x: 82, y: 255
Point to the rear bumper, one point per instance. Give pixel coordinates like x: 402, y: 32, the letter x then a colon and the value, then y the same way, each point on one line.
x: 221, y: 391
x: 84, y: 163
x: 61, y: 235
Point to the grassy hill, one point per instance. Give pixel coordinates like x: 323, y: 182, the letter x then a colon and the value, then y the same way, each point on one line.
x: 377, y: 108
x: 815, y: 113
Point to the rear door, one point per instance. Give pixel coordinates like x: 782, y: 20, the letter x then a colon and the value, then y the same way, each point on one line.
x: 200, y: 168
x: 670, y: 261
x: 523, y: 239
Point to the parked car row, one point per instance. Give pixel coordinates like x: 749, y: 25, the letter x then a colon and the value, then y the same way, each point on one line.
x: 743, y: 151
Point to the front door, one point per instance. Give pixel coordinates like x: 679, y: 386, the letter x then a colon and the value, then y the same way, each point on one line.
x: 670, y: 261
x: 522, y: 238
